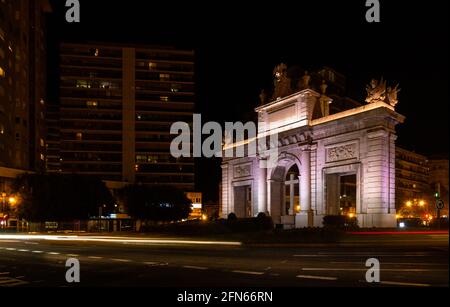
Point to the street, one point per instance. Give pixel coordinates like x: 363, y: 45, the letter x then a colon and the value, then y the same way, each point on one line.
x: 418, y: 260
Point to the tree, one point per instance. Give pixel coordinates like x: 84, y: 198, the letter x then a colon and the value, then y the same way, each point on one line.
x: 57, y: 197
x: 155, y: 203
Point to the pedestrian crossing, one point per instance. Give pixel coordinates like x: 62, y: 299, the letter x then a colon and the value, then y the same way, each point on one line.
x: 6, y: 281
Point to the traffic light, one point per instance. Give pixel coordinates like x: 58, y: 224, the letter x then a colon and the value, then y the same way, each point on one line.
x: 437, y: 194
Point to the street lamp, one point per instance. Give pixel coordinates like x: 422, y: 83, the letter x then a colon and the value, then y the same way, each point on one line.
x: 12, y: 200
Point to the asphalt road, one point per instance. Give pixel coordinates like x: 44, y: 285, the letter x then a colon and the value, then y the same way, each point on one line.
x: 408, y: 260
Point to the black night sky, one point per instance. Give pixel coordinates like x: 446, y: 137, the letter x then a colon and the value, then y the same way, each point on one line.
x: 237, y: 47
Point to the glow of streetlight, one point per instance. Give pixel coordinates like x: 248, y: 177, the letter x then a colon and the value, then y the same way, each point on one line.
x: 408, y: 204
x: 12, y: 200
x: 421, y: 203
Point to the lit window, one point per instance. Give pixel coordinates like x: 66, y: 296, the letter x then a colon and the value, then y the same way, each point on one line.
x: 139, y: 117
x: 79, y: 136
x: 2, y: 72
x: 136, y: 167
x: 91, y: 104
x: 2, y: 130
x: 41, y: 141
x: 83, y: 84
x: 164, y: 77
x: 152, y: 159
x: 105, y: 84
x: 164, y: 98
x: 42, y: 157
x: 96, y: 52
x: 42, y: 101
x: 151, y: 65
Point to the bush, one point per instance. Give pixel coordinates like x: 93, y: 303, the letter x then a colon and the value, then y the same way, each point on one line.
x: 232, y: 217
x: 261, y: 215
x: 434, y: 224
x: 340, y: 222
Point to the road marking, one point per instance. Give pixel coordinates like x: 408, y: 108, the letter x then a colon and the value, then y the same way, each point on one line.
x: 392, y: 263
x: 95, y: 257
x: 120, y: 260
x: 11, y: 249
x: 4, y: 273
x: 11, y: 282
x: 23, y: 250
x: 37, y: 252
x: 195, y: 267
x: 72, y: 255
x: 53, y: 253
x: 317, y: 277
x: 381, y: 269
x: 247, y: 272
x: 309, y: 255
x: 397, y: 283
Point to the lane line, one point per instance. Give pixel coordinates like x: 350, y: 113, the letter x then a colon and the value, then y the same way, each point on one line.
x: 392, y: 263
x: 151, y: 263
x: 316, y: 277
x: 398, y: 283
x: 381, y: 269
x: 23, y: 250
x: 10, y: 249
x: 309, y: 255
x: 95, y: 257
x: 248, y: 272
x: 120, y: 260
x: 72, y: 255
x: 37, y: 252
x: 4, y: 273
x: 53, y: 253
x: 195, y: 267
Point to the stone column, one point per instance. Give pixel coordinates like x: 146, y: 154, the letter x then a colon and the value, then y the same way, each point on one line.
x: 291, y: 195
x: 305, y: 217
x: 269, y: 196
x: 262, y: 190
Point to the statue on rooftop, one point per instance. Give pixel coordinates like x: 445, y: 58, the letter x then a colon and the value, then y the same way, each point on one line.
x: 304, y: 82
x: 282, y: 84
x: 391, y: 94
x: 376, y: 91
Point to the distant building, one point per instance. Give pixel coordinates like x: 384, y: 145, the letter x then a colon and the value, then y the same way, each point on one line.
x: 197, y: 204
x: 22, y: 93
x: 116, y: 106
x: 22, y: 83
x: 417, y: 177
x: 439, y: 174
x: 412, y: 178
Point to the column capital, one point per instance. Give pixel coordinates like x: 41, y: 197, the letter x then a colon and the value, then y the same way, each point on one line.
x: 306, y: 148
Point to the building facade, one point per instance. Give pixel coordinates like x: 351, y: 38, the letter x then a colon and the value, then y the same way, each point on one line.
x: 22, y: 83
x: 116, y: 106
x: 412, y: 178
x: 318, y: 156
x: 439, y: 180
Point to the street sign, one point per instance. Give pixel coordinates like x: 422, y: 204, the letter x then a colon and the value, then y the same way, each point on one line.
x: 440, y: 204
